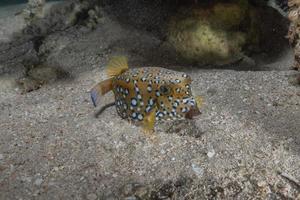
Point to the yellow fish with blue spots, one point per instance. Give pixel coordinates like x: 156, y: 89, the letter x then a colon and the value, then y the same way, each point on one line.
x: 149, y: 94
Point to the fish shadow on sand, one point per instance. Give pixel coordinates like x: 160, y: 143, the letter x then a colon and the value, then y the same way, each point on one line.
x: 182, y: 128
x: 103, y: 108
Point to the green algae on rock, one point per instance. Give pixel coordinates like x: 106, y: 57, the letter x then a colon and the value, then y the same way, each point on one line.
x: 215, y: 34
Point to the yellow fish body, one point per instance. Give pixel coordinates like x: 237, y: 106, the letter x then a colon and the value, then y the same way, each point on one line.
x: 148, y: 94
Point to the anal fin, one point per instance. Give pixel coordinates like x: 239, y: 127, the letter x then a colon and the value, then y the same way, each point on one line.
x: 149, y: 121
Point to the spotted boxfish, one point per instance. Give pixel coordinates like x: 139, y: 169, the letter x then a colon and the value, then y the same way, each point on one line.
x: 148, y: 94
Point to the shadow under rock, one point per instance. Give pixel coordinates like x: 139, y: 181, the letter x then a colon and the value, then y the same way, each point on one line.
x: 273, y: 43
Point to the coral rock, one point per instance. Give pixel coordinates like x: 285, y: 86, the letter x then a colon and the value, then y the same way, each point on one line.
x: 211, y: 35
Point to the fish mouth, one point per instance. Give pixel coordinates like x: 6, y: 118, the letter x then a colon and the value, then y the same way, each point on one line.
x: 194, y: 111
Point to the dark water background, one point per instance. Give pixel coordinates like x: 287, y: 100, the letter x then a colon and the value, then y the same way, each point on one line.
x: 13, y: 2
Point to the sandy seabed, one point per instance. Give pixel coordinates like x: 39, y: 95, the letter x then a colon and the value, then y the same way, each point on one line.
x: 245, y: 145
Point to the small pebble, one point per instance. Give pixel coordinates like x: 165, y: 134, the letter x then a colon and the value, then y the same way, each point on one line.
x: 1, y: 156
x: 261, y: 184
x: 91, y: 196
x: 131, y: 198
x: 38, y: 181
x: 211, y: 153
x: 198, y: 170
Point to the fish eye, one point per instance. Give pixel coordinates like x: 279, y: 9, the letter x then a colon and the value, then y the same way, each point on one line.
x: 164, y: 89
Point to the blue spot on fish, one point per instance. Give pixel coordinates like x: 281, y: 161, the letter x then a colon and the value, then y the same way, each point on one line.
x: 134, y: 102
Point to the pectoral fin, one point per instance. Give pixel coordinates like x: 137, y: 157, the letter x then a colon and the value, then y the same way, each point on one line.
x: 199, y: 101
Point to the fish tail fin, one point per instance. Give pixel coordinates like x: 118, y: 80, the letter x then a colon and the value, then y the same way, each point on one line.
x: 101, y: 89
x: 117, y: 65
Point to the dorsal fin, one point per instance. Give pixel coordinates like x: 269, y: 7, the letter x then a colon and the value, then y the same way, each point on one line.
x: 117, y: 65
